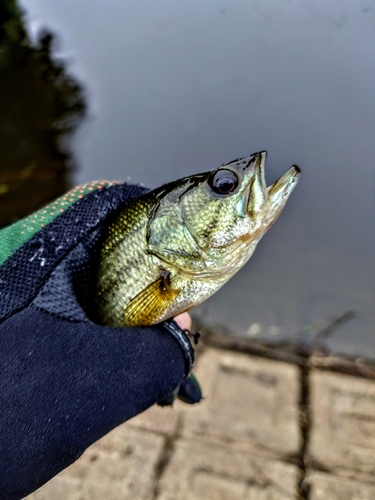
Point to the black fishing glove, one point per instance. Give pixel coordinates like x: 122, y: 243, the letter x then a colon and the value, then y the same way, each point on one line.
x: 64, y: 380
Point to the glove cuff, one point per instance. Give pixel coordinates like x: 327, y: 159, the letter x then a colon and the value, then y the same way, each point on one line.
x: 182, y: 338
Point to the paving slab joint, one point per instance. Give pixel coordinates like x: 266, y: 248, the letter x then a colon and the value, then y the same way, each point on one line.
x: 303, y: 487
x: 165, y: 457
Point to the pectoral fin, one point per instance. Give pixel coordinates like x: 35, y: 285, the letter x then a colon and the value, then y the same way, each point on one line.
x: 150, y: 304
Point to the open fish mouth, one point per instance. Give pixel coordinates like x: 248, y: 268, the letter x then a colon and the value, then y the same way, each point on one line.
x: 269, y: 201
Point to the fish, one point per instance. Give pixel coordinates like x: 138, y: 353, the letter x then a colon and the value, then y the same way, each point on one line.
x: 175, y: 246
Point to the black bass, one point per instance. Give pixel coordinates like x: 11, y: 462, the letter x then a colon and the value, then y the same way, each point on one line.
x: 175, y: 246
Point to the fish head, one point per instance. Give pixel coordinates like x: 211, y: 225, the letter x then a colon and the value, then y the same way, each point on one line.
x: 210, y: 223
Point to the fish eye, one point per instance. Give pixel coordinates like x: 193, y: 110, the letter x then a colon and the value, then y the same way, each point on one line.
x: 223, y: 181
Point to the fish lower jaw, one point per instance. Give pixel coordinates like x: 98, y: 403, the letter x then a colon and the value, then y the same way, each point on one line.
x: 213, y: 270
x: 218, y: 275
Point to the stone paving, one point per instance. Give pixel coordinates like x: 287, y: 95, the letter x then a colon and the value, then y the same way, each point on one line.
x: 266, y: 430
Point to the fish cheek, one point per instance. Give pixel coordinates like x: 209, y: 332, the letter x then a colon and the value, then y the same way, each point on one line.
x: 151, y: 303
x: 213, y: 220
x: 201, y: 215
x: 169, y: 239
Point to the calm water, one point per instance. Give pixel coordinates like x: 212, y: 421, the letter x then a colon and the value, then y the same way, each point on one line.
x: 180, y: 87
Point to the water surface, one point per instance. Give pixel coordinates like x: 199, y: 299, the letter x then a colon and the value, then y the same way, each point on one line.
x: 181, y: 87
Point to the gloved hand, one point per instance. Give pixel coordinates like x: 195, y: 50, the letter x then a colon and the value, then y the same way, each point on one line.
x: 66, y: 381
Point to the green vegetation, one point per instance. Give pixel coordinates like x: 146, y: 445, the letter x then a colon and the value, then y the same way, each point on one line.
x: 40, y: 108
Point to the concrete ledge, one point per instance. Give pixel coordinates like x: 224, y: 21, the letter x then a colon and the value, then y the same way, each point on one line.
x: 121, y: 465
x: 330, y: 487
x: 343, y: 422
x: 243, y: 441
x: 250, y: 403
x: 205, y: 471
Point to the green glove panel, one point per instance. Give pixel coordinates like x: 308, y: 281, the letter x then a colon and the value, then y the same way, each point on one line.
x: 14, y: 236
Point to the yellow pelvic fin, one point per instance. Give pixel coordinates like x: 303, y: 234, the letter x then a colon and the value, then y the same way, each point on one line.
x: 149, y: 305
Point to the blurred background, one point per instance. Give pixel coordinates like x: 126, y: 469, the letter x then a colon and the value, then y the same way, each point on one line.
x: 147, y: 92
